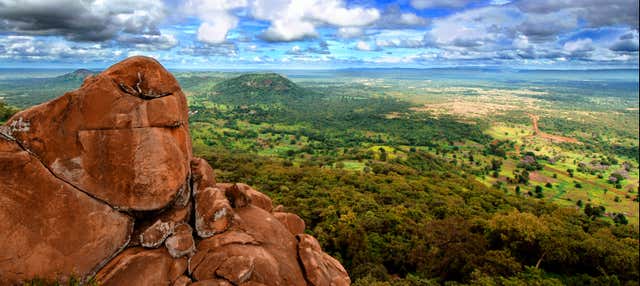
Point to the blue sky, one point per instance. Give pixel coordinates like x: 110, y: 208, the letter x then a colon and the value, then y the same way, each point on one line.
x: 320, y: 34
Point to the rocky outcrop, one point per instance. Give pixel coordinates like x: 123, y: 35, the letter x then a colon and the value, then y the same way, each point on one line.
x: 49, y: 228
x: 101, y: 183
x: 111, y: 141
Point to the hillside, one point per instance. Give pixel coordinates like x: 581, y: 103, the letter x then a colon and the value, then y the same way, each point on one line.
x: 257, y: 88
x: 400, y: 197
x: 128, y: 204
x: 6, y: 111
x: 77, y: 75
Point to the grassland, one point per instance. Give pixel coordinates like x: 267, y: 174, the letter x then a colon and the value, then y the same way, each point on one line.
x: 431, y: 177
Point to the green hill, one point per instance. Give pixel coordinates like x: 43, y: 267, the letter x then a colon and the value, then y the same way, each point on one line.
x: 259, y: 88
x: 77, y: 75
x: 6, y: 111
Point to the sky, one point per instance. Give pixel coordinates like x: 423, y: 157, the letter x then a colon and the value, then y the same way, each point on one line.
x: 321, y: 34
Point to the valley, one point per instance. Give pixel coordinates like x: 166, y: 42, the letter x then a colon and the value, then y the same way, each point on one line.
x: 388, y: 167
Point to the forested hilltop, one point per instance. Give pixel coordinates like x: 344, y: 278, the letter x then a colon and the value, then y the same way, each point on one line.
x: 398, y: 196
x: 418, y: 177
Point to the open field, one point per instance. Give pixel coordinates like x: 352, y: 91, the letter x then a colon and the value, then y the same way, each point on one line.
x: 381, y: 165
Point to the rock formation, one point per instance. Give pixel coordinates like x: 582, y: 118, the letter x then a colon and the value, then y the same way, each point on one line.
x: 101, y: 183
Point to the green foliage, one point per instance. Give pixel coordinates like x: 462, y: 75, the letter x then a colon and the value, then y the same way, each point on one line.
x: 593, y: 211
x: 402, y: 197
x: 431, y: 223
x: 249, y: 89
x: 6, y: 111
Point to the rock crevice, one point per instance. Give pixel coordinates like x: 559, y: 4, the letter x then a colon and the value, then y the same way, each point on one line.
x: 101, y: 181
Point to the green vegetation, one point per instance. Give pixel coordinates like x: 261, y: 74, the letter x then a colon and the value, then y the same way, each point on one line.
x: 419, y: 179
x: 249, y: 89
x: 6, y: 111
x: 409, y: 198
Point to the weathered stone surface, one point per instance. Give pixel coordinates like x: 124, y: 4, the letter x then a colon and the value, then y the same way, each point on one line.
x: 121, y: 142
x: 156, y: 234
x: 211, y: 282
x: 238, y: 197
x: 181, y: 243
x: 257, y: 236
x: 320, y: 268
x: 291, y: 221
x: 171, y: 216
x: 247, y: 195
x: 49, y: 228
x: 237, y: 269
x: 212, y: 211
x: 128, y: 148
x: 252, y: 283
x: 142, y: 267
x: 202, y: 175
x: 182, y: 281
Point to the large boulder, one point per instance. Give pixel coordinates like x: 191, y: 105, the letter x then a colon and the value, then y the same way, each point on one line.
x: 122, y: 137
x: 140, y: 267
x: 320, y: 268
x: 256, y: 248
x: 291, y: 221
x: 102, y: 181
x: 50, y: 229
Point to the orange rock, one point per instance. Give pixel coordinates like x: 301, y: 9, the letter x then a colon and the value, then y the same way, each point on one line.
x: 121, y: 142
x: 181, y: 242
x: 237, y: 269
x: 140, y: 267
x: 213, y: 212
x: 320, y: 268
x: 49, y: 228
x: 291, y: 221
x: 182, y: 281
x: 246, y: 194
x: 255, y: 236
x: 211, y: 282
x: 156, y: 234
x: 202, y: 174
x: 129, y: 149
x: 144, y: 233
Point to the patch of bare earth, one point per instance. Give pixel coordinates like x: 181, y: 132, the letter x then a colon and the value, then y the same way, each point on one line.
x: 537, y: 177
x: 550, y: 137
x: 464, y: 108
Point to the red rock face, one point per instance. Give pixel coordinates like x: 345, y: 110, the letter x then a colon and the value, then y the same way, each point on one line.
x: 136, y: 266
x: 113, y: 139
x: 319, y: 267
x: 101, y: 181
x: 291, y: 221
x: 49, y: 228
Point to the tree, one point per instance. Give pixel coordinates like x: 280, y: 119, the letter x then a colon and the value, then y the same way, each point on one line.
x: 383, y: 154
x: 570, y: 172
x: 593, y: 211
x: 521, y: 232
x: 619, y: 218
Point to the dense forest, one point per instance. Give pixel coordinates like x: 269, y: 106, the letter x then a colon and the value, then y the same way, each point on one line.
x: 421, y: 221
x: 6, y: 111
x: 403, y: 197
x: 395, y: 199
